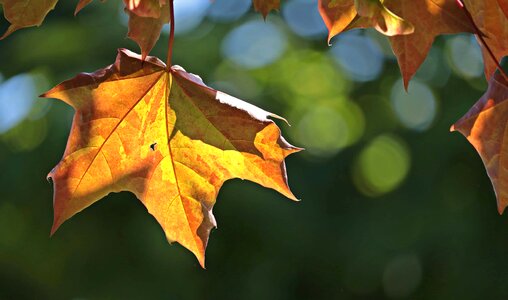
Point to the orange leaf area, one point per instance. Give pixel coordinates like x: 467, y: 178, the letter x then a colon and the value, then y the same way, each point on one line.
x: 166, y: 137
x: 429, y: 18
x: 25, y: 13
x: 503, y: 4
x: 485, y: 127
x: 265, y: 6
x: 145, y: 8
x: 340, y: 15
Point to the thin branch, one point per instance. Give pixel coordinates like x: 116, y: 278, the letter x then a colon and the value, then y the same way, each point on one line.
x: 479, y: 34
x: 171, y: 34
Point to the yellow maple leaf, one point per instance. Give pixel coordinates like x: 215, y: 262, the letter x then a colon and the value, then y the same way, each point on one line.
x: 163, y: 135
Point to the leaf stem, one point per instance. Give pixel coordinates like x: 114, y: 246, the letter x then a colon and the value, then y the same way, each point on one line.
x: 479, y: 34
x: 171, y: 34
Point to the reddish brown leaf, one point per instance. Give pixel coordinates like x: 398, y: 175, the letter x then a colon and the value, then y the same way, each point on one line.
x: 81, y: 5
x: 166, y: 137
x: 503, y: 4
x: 485, y: 126
x: 493, y: 24
x: 25, y: 13
x: 337, y: 15
x: 145, y: 31
x: 341, y: 15
x: 373, y: 13
x: 429, y: 18
x: 145, y: 8
x: 265, y: 6
x: 146, y: 19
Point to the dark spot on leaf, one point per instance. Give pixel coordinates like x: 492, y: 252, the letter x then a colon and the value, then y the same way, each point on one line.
x: 152, y: 146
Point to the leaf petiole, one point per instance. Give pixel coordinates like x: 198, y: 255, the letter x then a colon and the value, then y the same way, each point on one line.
x: 171, y: 34
x: 480, y: 35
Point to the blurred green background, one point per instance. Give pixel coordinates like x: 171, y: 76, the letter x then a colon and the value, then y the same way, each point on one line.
x: 393, y: 205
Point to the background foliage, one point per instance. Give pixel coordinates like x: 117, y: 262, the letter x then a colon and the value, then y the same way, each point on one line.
x: 394, y: 206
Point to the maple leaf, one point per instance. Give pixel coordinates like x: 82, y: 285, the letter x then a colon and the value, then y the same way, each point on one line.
x: 25, y: 13
x: 503, y: 4
x: 81, y: 5
x: 484, y: 125
x: 265, y: 6
x: 146, y: 19
x: 373, y: 13
x: 145, y: 30
x: 340, y: 15
x: 493, y: 24
x: 166, y: 137
x: 337, y: 15
x: 145, y: 8
x: 430, y: 18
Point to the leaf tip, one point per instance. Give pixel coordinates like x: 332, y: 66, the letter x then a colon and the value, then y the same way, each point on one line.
x: 329, y: 40
x: 48, y: 94
x: 406, y: 85
x: 297, y: 200
x: 54, y: 228
x: 201, y: 259
x: 275, y: 116
x: 9, y: 31
x: 202, y: 264
x: 500, y: 208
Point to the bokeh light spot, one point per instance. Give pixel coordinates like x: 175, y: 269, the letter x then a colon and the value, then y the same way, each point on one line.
x: 17, y: 95
x: 304, y: 19
x: 26, y: 136
x: 381, y: 166
x: 415, y: 108
x: 254, y: 44
x: 227, y: 10
x: 189, y: 14
x: 324, y: 130
x: 465, y: 56
x: 359, y: 55
x: 315, y: 79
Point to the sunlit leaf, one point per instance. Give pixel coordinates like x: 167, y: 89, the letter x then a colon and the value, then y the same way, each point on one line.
x: 484, y: 125
x: 145, y: 31
x: 25, y: 13
x: 81, y: 5
x: 493, y: 24
x: 166, y: 137
x: 430, y: 18
x: 265, y: 6
x: 340, y: 15
x: 503, y: 4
